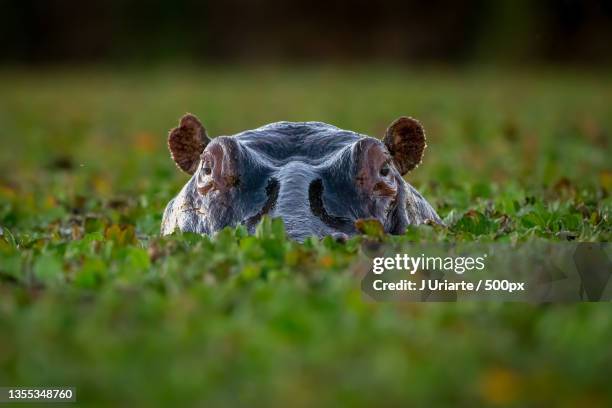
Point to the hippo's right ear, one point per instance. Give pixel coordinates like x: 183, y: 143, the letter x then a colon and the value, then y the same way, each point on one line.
x: 405, y: 140
x: 187, y: 142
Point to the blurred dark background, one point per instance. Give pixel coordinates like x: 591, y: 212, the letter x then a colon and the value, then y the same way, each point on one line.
x: 436, y: 31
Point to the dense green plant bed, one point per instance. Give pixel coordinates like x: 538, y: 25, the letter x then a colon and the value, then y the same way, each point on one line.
x: 92, y: 297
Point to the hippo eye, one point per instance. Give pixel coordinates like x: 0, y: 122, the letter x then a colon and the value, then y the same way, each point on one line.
x: 206, y: 169
x: 384, y: 171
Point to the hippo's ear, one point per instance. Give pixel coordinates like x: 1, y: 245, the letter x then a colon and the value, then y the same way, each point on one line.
x: 405, y: 140
x: 187, y: 142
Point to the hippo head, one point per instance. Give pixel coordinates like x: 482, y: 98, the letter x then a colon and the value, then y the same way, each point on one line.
x: 319, y: 179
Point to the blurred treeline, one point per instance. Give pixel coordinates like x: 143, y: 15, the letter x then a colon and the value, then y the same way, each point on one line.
x: 302, y: 31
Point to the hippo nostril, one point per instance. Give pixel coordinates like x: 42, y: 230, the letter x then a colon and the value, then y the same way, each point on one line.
x: 315, y: 197
x: 272, y: 190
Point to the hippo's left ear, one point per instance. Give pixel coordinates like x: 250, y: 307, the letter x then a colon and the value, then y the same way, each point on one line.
x: 405, y: 140
x: 187, y: 142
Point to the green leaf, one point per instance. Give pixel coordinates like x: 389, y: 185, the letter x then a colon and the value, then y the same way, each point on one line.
x: 533, y: 219
x: 371, y: 228
x: 48, y: 269
x: 475, y: 223
x: 91, y: 273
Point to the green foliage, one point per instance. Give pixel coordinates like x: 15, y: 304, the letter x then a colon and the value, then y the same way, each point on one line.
x: 92, y: 297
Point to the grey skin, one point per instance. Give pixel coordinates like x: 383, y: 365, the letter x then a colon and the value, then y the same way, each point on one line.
x: 319, y: 179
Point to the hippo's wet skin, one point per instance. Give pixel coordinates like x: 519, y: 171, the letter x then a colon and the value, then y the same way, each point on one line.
x: 317, y: 178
